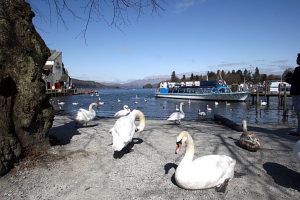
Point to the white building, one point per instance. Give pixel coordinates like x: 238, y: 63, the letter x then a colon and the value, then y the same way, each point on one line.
x: 54, y: 71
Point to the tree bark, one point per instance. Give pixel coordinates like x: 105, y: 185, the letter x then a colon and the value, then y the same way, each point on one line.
x: 25, y: 112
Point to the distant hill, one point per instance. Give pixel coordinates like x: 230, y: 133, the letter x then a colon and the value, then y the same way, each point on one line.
x: 90, y: 84
x: 154, y: 81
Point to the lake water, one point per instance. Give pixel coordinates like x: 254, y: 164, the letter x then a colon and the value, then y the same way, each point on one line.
x: 161, y: 108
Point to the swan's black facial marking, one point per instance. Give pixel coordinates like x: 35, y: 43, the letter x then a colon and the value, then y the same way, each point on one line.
x: 179, y: 143
x: 178, y: 146
x: 136, y: 130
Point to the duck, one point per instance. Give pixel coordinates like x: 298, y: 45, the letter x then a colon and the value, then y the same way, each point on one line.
x: 208, y: 108
x: 248, y: 140
x: 296, y: 151
x: 201, y: 113
x: 124, y: 129
x: 204, y: 172
x: 84, y: 116
x: 263, y: 103
x: 126, y: 110
x: 178, y: 115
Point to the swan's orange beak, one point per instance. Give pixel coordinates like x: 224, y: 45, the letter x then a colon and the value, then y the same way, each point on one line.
x: 178, y: 146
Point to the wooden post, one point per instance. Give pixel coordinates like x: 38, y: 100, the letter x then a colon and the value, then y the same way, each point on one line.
x: 279, y: 95
x: 257, y: 97
x: 285, y: 95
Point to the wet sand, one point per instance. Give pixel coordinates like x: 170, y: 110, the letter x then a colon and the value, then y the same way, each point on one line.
x: 82, y: 165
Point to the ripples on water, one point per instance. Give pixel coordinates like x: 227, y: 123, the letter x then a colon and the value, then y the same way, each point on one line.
x: 161, y: 108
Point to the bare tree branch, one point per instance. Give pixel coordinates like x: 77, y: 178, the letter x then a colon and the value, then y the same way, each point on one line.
x: 95, y: 11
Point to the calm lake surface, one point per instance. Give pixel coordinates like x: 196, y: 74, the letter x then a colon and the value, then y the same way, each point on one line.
x: 161, y: 108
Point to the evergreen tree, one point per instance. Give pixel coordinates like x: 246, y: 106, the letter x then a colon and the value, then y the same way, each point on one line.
x: 192, y: 77
x: 174, y: 78
x: 256, y: 75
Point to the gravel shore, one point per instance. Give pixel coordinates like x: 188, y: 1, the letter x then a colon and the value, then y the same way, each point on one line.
x: 84, y: 166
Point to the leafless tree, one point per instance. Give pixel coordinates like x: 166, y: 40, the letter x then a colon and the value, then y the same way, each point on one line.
x: 94, y: 10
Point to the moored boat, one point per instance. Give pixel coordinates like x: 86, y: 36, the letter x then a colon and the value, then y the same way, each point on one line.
x: 200, y: 90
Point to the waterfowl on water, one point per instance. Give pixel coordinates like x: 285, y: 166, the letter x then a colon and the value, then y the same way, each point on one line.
x: 201, y: 113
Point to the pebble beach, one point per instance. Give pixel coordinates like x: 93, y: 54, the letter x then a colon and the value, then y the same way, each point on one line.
x: 82, y: 165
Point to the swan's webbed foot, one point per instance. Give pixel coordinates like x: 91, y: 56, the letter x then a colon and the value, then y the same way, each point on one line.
x: 223, y: 186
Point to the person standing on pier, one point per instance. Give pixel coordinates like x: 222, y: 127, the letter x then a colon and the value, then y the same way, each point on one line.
x: 294, y: 80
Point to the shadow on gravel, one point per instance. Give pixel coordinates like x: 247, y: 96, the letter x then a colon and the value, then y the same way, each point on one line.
x: 128, y: 148
x: 167, y: 168
x: 283, y: 176
x: 62, y: 135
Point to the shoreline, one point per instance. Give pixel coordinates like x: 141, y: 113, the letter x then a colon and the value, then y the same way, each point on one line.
x: 84, y: 167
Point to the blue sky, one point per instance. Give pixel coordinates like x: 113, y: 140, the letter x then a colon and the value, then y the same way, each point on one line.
x: 187, y: 36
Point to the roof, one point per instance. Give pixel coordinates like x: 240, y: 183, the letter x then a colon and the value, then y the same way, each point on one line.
x: 54, y: 55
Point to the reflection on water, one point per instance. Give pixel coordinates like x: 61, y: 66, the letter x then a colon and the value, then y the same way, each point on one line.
x: 161, y: 108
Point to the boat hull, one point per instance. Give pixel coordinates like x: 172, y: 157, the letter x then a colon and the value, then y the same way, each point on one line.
x: 233, y: 96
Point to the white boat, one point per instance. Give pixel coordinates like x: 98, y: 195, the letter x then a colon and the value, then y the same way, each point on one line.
x: 204, y: 90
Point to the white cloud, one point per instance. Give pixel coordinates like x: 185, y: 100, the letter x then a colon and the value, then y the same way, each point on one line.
x: 183, y: 5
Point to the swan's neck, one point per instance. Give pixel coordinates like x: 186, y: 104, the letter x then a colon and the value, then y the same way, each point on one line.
x: 244, y: 126
x: 181, y: 108
x: 189, y: 152
x: 91, y: 107
x: 138, y: 114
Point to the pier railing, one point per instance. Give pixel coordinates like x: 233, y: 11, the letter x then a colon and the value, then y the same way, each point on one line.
x: 66, y: 92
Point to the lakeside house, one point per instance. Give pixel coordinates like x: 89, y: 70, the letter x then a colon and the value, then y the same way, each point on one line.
x: 55, y: 74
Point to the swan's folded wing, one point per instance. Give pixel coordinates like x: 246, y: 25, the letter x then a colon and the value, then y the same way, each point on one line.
x: 174, y: 116
x: 214, y: 168
x: 81, y: 114
x: 124, y: 129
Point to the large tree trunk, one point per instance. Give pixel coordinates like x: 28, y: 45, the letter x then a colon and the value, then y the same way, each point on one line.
x: 25, y: 112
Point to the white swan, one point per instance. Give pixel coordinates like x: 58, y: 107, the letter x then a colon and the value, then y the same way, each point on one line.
x: 125, y: 128
x: 84, y: 116
x: 126, y: 110
x: 100, y: 102
x: 263, y: 103
x: 177, y: 116
x: 296, y: 151
x: 216, y: 103
x: 208, y: 108
x: 204, y: 172
x: 176, y: 108
x: 201, y: 113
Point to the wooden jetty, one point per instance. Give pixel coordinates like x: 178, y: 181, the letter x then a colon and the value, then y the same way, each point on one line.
x: 282, y: 95
x: 67, y: 92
